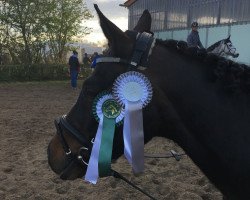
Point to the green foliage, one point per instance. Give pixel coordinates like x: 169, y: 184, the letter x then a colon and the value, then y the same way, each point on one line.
x: 28, y: 28
x: 65, y: 19
x: 38, y: 72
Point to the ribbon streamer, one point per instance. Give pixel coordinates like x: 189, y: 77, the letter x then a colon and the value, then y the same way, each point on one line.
x: 133, y: 136
x: 105, y: 153
x: 92, y: 173
x: 109, y: 113
x: 133, y: 90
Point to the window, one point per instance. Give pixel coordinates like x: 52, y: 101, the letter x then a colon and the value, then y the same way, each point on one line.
x: 174, y: 14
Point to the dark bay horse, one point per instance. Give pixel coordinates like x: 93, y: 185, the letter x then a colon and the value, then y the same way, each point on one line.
x: 191, y: 105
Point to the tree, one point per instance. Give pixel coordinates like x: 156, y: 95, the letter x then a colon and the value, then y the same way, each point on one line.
x: 63, y: 22
x: 21, y: 19
x: 31, y: 27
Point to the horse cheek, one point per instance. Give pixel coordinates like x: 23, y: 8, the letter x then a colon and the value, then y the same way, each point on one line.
x: 56, y: 155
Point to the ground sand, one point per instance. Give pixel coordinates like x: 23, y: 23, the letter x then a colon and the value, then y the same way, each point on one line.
x: 26, y: 127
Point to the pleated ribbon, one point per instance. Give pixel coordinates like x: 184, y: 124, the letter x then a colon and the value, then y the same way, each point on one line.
x: 133, y: 90
x: 92, y: 173
x: 100, y: 159
x: 133, y: 136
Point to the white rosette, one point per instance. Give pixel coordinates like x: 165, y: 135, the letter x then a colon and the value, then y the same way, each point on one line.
x: 92, y: 172
x: 134, y: 91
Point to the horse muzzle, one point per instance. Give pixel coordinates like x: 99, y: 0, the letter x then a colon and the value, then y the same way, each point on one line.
x: 235, y: 55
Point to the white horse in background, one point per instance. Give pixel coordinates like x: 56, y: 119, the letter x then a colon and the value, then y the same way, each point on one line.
x: 223, y: 48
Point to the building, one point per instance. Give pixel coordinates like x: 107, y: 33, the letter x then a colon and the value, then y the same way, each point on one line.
x: 171, y: 19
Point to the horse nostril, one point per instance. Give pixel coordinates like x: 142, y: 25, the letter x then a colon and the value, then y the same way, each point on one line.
x: 236, y: 55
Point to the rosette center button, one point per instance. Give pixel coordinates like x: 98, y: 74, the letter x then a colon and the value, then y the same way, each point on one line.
x: 133, y: 91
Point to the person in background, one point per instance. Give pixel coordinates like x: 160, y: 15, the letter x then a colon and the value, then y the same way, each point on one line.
x: 86, y: 61
x: 193, y: 40
x: 74, y: 69
x: 95, y: 56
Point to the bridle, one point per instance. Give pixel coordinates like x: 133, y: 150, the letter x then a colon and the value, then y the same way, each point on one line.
x: 139, y: 60
x: 231, y: 50
x: 142, y: 50
x: 62, y: 126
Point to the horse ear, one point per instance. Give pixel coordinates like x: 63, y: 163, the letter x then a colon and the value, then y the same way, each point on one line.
x: 229, y: 37
x: 110, y: 30
x: 117, y: 39
x: 144, y: 23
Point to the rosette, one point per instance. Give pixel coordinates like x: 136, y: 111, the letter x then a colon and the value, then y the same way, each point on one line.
x: 134, y: 91
x: 108, y: 113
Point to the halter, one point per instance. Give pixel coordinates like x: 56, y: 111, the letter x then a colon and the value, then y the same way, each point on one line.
x: 143, y: 48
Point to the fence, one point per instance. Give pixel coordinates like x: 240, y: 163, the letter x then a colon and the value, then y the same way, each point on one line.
x: 38, y: 72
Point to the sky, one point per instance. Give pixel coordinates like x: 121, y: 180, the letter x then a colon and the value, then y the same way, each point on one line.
x: 111, y: 9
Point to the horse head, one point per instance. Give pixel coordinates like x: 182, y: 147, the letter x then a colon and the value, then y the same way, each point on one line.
x: 223, y: 48
x: 227, y: 48
x: 69, y: 149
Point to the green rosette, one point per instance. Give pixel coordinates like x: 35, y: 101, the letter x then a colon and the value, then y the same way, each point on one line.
x: 111, y: 110
x: 96, y: 108
x: 108, y: 113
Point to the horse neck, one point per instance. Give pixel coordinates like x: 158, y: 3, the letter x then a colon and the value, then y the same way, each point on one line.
x: 80, y: 116
x: 199, y: 103
x: 219, y: 50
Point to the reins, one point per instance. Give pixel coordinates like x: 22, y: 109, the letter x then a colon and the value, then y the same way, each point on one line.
x: 61, y: 123
x: 172, y: 153
x: 115, y: 174
x: 229, y: 50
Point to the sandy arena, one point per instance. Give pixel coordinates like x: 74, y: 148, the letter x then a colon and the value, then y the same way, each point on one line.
x: 27, y: 118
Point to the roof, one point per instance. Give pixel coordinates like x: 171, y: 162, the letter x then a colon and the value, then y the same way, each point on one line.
x: 128, y: 3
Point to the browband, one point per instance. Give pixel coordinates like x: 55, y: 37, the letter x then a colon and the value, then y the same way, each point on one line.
x: 143, y: 48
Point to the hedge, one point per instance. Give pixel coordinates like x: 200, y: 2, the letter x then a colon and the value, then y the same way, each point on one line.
x: 38, y: 72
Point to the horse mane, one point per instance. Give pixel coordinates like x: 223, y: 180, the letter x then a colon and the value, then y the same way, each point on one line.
x: 212, y: 47
x: 235, y: 77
